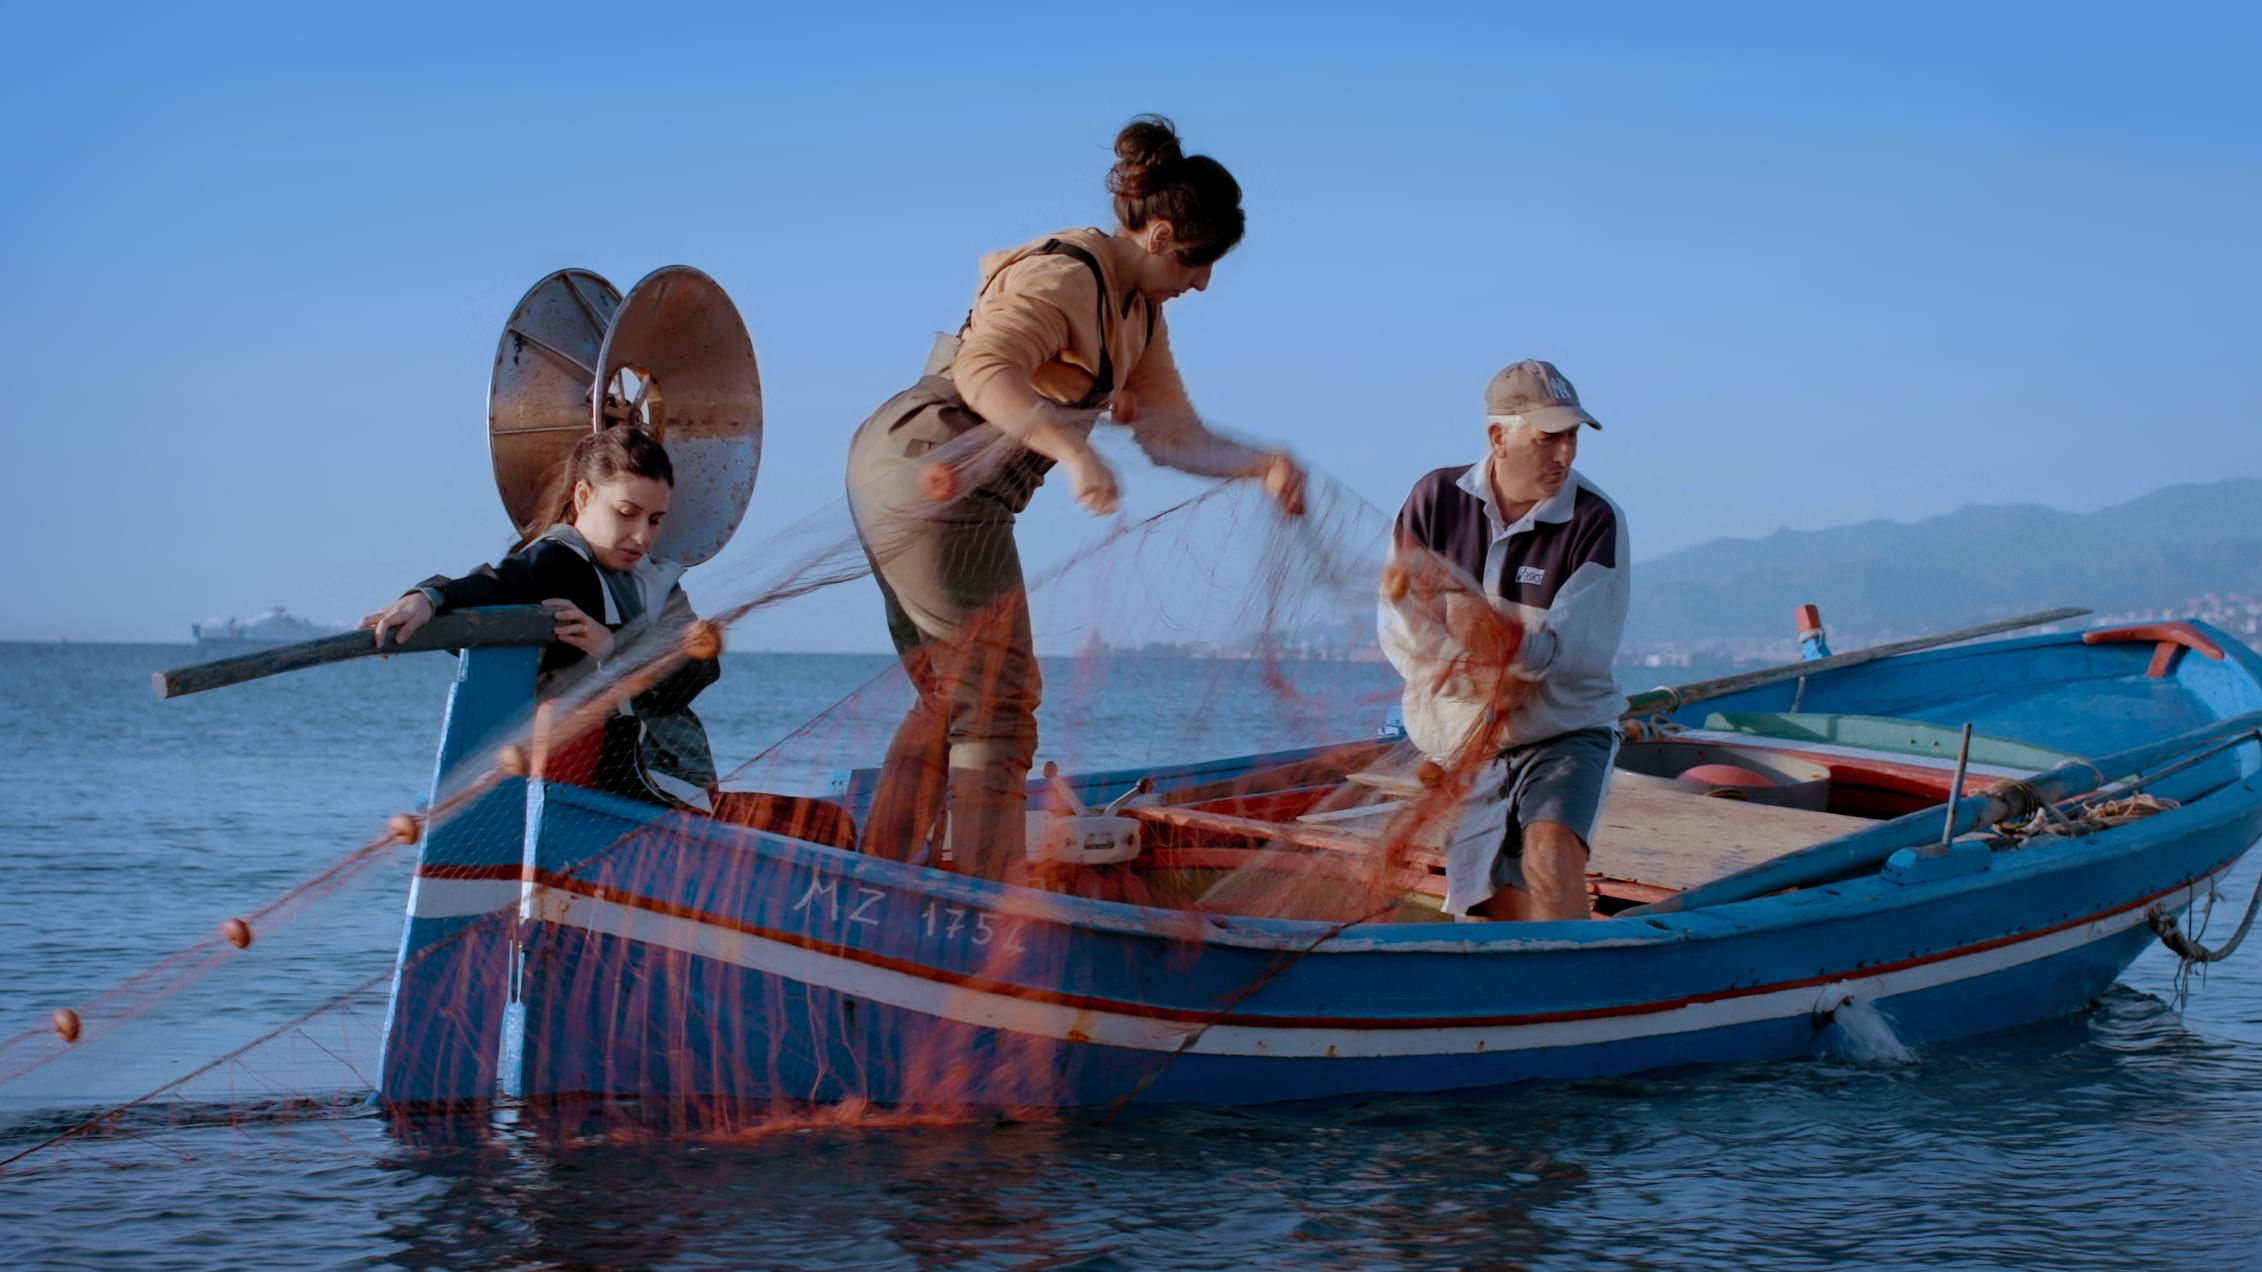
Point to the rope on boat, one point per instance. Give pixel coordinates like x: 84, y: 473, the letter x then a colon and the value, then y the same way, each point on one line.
x: 1649, y: 728
x: 2024, y: 799
x: 2116, y: 805
x: 2048, y: 819
x: 1664, y: 700
x: 2163, y: 925
x: 2129, y: 803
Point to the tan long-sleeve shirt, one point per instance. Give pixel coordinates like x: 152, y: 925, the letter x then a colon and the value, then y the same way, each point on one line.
x: 1036, y: 320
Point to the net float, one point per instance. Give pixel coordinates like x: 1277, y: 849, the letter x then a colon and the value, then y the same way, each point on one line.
x: 404, y: 827
x: 1725, y: 775
x: 703, y: 640
x: 938, y: 481
x: 238, y: 933
x: 66, y: 1024
x: 1726, y: 781
x: 1394, y: 582
x: 512, y: 760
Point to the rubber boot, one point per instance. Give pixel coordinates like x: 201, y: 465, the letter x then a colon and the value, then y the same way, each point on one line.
x: 907, y: 804
x: 987, y: 831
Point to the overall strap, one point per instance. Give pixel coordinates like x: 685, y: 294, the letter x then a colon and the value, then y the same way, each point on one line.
x: 1103, y: 382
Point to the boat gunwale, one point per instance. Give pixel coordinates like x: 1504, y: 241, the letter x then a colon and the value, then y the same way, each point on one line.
x: 1233, y: 1016
x: 1861, y: 893
x: 1820, y: 904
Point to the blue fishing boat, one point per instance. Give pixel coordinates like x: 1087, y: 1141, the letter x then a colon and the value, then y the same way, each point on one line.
x: 1940, y: 837
x: 562, y: 944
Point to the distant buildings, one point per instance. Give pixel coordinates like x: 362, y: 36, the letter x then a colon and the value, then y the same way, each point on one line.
x: 2235, y: 612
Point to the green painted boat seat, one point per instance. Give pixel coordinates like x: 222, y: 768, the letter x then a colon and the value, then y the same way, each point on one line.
x: 1887, y: 734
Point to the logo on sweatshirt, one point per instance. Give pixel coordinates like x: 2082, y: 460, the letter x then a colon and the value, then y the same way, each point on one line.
x: 1530, y: 575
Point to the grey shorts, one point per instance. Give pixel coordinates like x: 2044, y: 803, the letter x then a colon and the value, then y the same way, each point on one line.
x: 1559, y: 779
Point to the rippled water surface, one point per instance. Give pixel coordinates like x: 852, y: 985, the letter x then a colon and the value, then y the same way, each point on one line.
x: 2130, y: 1136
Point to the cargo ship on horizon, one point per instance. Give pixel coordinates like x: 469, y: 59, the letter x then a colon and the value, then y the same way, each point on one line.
x: 275, y: 626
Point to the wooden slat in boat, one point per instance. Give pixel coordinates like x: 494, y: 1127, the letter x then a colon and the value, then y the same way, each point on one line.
x: 1661, y: 837
x: 1678, y: 840
x: 1254, y: 833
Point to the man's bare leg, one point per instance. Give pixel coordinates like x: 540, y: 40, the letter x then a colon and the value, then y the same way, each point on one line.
x: 1555, y: 879
x: 1555, y: 872
x: 1509, y: 905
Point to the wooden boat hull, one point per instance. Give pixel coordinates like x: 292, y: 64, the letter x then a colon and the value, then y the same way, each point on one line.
x: 692, y: 966
x: 854, y: 978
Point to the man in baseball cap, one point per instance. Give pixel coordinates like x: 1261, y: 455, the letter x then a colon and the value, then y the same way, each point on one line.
x: 1534, y: 393
x: 1502, y: 608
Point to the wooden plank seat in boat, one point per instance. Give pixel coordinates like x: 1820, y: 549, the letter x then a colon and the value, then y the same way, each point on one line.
x: 1658, y: 837
x: 1676, y: 839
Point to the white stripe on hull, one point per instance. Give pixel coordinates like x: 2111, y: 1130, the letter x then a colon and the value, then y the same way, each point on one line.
x: 440, y: 898
x: 990, y: 1010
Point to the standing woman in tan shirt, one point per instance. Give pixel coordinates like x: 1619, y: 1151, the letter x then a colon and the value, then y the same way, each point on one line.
x: 1062, y: 329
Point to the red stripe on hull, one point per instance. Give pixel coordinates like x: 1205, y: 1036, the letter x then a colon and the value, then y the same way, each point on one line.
x: 566, y: 883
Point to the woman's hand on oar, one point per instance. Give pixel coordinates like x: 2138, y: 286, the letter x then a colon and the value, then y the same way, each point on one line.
x: 579, y: 630
x: 400, y: 619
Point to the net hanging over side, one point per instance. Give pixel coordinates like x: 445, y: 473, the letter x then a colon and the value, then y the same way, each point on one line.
x: 1203, y: 664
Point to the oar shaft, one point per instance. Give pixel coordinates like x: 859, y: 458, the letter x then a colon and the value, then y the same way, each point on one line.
x: 1676, y: 697
x: 464, y: 629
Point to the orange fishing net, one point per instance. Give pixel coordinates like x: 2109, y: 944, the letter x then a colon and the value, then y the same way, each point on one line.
x: 1199, y: 626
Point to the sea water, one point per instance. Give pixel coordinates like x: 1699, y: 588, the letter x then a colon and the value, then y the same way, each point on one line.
x: 2130, y: 1135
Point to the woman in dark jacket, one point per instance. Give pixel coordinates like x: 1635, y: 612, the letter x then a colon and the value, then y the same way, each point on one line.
x: 594, y: 571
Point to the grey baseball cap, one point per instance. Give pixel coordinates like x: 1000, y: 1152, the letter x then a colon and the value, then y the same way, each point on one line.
x: 1535, y: 393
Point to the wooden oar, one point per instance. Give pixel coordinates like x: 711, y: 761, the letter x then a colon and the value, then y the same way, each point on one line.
x: 1674, y: 698
x: 465, y: 629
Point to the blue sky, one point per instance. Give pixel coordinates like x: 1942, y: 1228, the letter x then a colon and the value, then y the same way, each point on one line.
x: 1811, y: 264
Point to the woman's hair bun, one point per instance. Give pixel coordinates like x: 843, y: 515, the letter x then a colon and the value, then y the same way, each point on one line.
x: 1145, y: 152
x: 1154, y: 179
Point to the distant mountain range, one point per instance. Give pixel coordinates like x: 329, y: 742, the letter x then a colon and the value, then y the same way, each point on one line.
x: 1885, y: 578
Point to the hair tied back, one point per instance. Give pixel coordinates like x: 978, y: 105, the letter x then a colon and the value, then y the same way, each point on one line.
x: 1145, y: 152
x: 1154, y: 179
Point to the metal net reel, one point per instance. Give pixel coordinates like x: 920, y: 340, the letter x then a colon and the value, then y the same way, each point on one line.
x: 672, y: 358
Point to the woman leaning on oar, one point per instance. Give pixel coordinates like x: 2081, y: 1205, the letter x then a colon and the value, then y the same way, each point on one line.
x: 1061, y: 329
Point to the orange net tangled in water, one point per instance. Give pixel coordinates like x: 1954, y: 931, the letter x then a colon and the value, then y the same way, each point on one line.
x: 1162, y: 648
